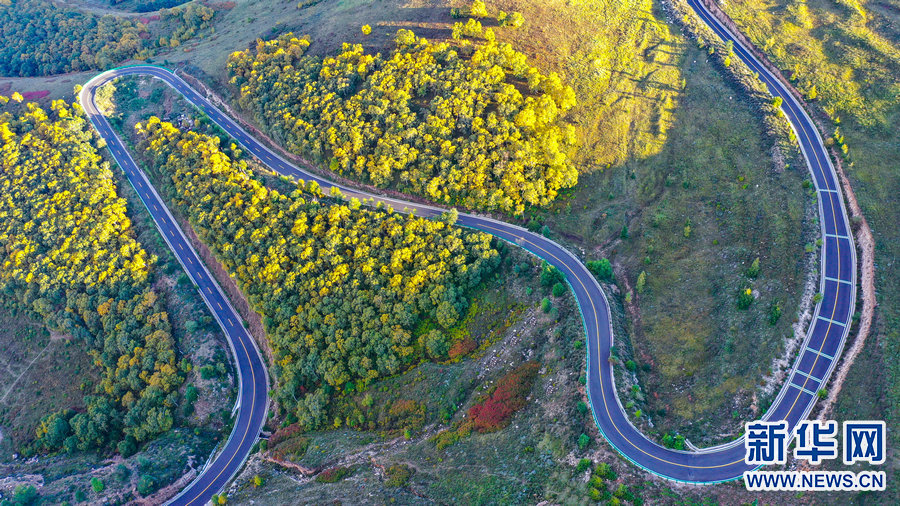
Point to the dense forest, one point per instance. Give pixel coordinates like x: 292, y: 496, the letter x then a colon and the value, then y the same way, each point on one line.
x: 145, y: 5
x: 68, y: 254
x: 341, y: 287
x: 38, y: 37
x: 468, y: 124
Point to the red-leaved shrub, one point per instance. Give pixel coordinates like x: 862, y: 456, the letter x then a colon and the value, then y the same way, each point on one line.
x: 462, y: 348
x: 508, y: 397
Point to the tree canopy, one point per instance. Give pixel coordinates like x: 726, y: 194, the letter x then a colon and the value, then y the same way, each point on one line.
x: 341, y: 287
x: 39, y: 37
x: 459, y: 123
x: 68, y: 253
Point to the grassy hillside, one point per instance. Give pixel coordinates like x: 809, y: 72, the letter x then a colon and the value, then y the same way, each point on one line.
x: 703, y: 190
x: 850, y: 52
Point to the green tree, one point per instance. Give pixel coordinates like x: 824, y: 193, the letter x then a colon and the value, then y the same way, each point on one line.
x: 602, y: 269
x: 753, y: 270
x: 559, y: 289
x: 25, y: 495
x: 546, y: 305
x: 583, y: 441
x: 437, y: 344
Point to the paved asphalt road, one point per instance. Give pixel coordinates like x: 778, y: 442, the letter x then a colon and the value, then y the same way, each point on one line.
x: 820, y: 351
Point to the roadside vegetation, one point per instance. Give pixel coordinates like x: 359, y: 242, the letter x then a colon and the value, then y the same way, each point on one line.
x: 138, y: 5
x: 72, y: 260
x: 79, y: 386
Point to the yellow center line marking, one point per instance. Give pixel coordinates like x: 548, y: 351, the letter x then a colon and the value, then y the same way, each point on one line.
x: 600, y: 374
x: 764, y: 72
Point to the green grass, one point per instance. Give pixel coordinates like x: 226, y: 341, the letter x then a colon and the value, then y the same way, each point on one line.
x: 849, y: 51
x: 699, y: 211
x: 40, y: 374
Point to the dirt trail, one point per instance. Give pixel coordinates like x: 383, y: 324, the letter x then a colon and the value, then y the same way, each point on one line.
x: 27, y: 368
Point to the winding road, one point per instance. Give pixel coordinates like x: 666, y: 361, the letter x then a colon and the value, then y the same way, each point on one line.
x: 818, y: 356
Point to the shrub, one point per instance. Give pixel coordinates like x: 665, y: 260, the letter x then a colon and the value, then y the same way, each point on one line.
x: 745, y: 298
x: 604, y: 470
x: 668, y: 441
x: 404, y: 414
x: 333, y: 475
x: 366, y: 29
x: 146, y: 485
x: 601, y: 268
x: 753, y: 270
x: 818, y: 298
x: 583, y: 464
x: 641, y: 282
x: 583, y: 441
x: 550, y: 275
x: 559, y: 289
x: 445, y: 438
x: 582, y: 407
x: 24, y: 494
x: 288, y: 444
x: 478, y: 9
x: 515, y: 20
x: 398, y: 475
x: 508, y: 397
x: 774, y: 312
x: 462, y: 348
x: 97, y: 485
x: 546, y: 305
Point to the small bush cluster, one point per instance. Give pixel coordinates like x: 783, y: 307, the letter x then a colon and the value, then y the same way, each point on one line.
x: 398, y: 475
x: 508, y: 397
x: 333, y: 475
